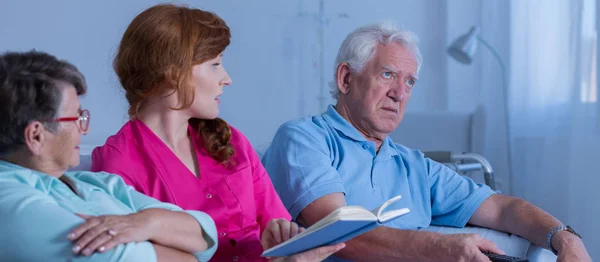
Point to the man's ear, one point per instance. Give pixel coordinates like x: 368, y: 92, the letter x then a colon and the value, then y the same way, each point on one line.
x: 34, y: 137
x: 344, y: 76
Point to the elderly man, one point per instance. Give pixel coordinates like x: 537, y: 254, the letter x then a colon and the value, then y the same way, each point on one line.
x: 345, y: 156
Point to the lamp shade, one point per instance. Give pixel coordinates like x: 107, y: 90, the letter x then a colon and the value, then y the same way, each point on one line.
x: 465, y: 46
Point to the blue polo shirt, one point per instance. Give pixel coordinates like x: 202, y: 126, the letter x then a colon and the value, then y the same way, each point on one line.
x: 319, y: 155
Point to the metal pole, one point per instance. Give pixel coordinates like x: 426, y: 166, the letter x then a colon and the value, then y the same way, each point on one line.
x: 505, y: 94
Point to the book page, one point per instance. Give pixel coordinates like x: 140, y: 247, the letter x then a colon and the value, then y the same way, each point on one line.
x: 343, y: 213
x: 383, y: 217
x: 379, y: 211
x: 387, y: 216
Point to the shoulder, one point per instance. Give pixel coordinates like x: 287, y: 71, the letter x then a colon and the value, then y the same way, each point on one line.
x: 121, y: 142
x: 106, y: 181
x: 309, y: 136
x: 419, y: 162
x: 406, y: 152
x: 314, y: 127
x: 123, y: 149
x: 23, y: 182
x: 412, y: 157
x: 244, y: 151
x: 238, y: 140
x: 20, y: 185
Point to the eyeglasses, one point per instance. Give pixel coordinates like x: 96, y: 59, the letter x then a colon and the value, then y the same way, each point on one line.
x: 83, y: 120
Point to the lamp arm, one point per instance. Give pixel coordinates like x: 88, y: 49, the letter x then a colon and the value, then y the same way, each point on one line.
x: 506, y: 110
x: 497, y: 56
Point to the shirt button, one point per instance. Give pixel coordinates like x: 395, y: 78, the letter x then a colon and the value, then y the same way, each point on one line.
x: 223, y: 234
x: 208, y: 196
x: 235, y: 258
x: 365, y: 146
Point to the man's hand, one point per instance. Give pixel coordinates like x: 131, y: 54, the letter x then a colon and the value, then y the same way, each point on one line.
x: 462, y: 247
x: 569, y: 247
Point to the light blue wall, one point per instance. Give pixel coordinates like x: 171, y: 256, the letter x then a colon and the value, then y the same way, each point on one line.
x: 481, y: 81
x: 273, y: 58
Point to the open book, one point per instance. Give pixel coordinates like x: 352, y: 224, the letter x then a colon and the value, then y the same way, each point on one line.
x: 341, y: 225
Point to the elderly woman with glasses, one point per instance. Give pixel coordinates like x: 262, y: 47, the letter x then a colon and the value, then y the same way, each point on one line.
x: 50, y: 214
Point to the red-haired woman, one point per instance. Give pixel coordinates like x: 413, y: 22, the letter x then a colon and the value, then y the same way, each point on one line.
x: 176, y: 149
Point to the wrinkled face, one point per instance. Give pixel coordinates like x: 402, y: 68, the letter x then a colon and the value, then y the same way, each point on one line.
x: 208, y: 79
x: 61, y: 148
x: 377, y: 97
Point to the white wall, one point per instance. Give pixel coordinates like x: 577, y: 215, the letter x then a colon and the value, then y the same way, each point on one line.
x: 463, y: 83
x: 273, y: 58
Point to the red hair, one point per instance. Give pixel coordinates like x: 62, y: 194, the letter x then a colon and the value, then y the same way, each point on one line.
x: 163, y: 43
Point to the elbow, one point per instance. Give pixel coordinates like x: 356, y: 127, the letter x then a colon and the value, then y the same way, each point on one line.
x: 203, y: 235
x: 202, y: 243
x: 203, y: 246
x: 513, y: 205
x: 512, y: 208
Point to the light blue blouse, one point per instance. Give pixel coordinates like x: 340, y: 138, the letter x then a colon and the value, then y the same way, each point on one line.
x: 37, y: 211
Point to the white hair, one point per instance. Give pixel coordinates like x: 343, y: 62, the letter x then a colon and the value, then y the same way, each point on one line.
x: 359, y: 47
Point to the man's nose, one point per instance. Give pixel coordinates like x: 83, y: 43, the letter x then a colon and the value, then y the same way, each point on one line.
x: 398, y: 92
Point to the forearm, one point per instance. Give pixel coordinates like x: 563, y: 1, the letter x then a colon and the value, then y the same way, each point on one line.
x: 175, y: 229
x: 167, y: 254
x: 388, y: 244
x: 525, y: 219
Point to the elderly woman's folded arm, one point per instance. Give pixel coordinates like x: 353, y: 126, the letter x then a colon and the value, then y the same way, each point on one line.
x: 36, y: 229
x: 191, y: 231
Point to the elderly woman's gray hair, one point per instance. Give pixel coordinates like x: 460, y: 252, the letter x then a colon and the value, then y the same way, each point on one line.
x: 30, y: 90
x: 359, y: 47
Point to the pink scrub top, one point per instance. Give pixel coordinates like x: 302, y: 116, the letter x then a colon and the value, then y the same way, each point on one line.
x: 240, y: 198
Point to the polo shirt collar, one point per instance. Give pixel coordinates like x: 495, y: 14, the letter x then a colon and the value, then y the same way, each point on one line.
x: 340, y: 124
x: 343, y: 126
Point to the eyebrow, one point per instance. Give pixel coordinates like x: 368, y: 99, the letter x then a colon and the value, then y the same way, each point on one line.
x: 389, y: 68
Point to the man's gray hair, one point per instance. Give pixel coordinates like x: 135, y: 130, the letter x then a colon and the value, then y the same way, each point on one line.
x: 359, y: 47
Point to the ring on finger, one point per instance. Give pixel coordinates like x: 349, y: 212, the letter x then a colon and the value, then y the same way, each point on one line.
x: 112, y: 232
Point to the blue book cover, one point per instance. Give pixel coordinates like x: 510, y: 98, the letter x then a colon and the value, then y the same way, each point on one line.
x: 341, y: 225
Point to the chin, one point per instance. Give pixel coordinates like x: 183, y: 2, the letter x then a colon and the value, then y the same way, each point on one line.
x: 388, y: 128
x: 74, y: 162
x: 208, y: 116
